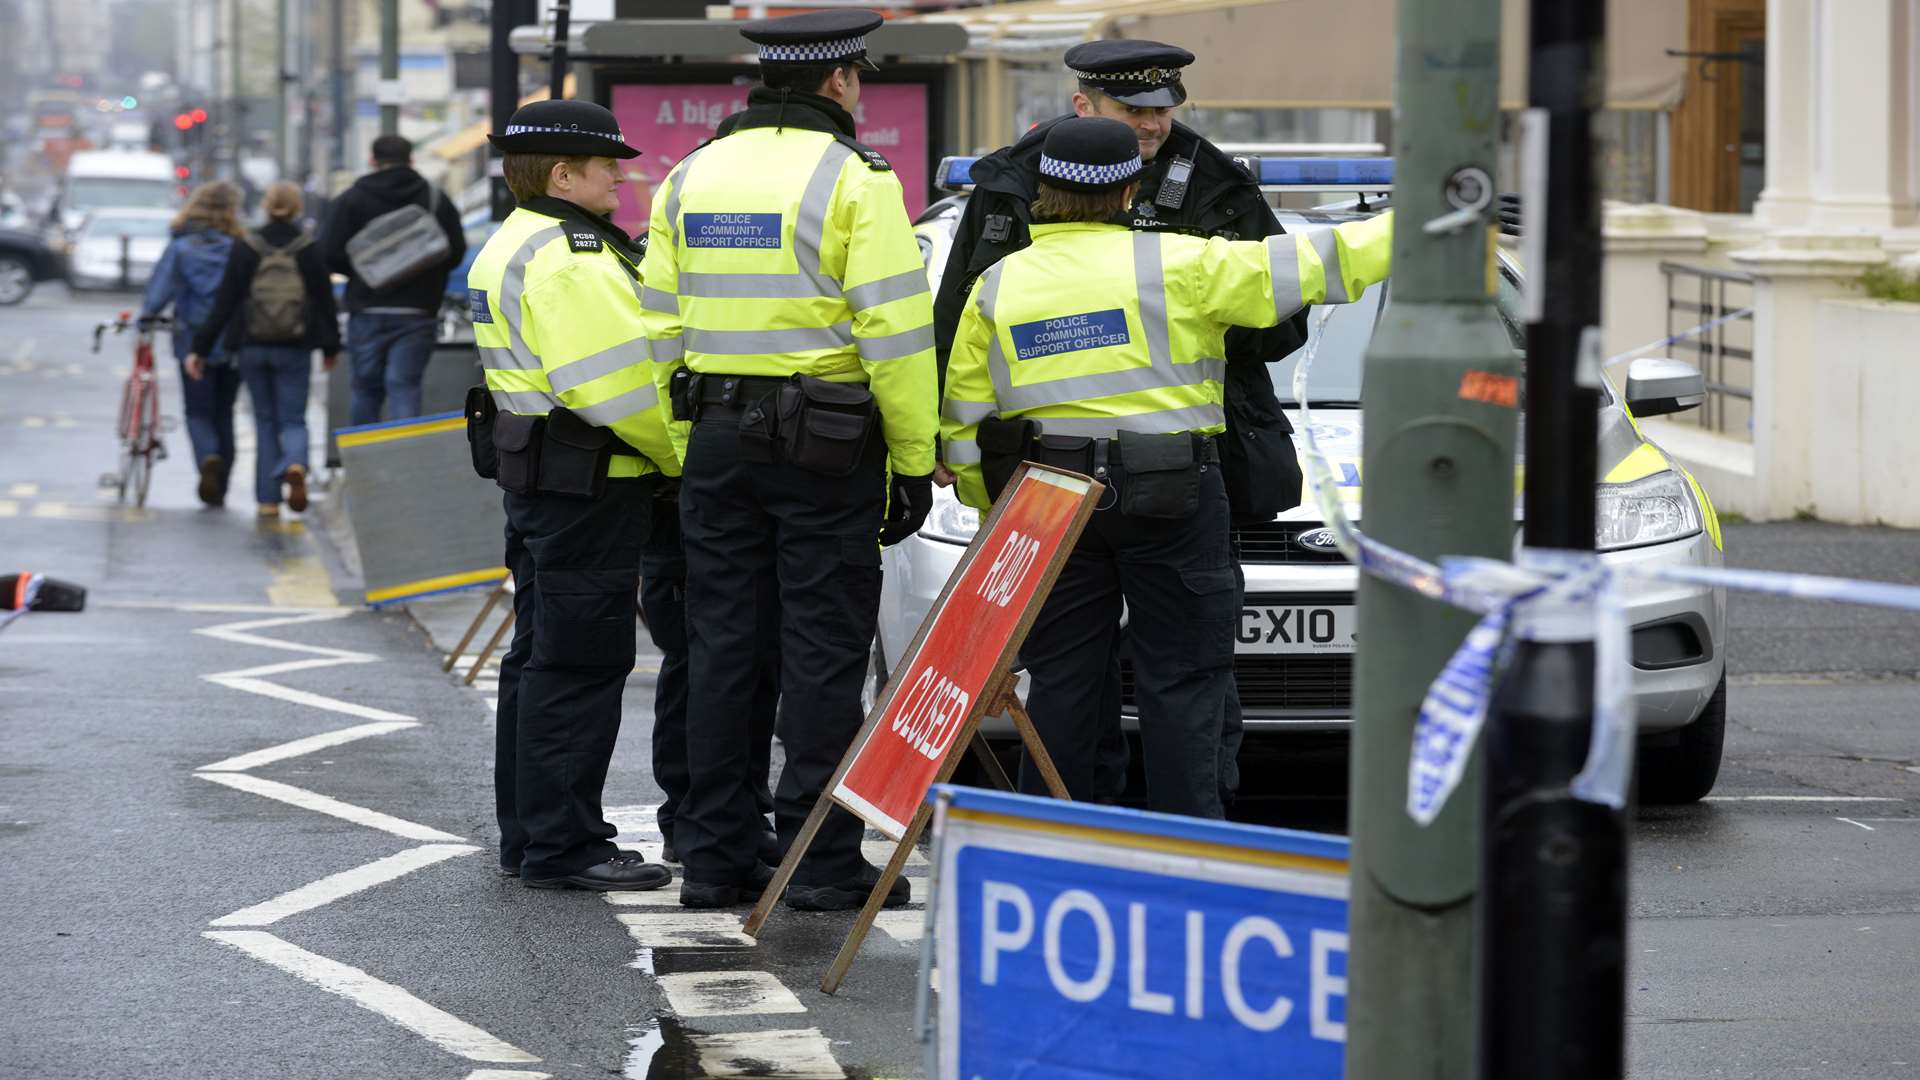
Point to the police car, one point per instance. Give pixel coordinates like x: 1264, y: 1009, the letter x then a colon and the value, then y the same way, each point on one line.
x: 1294, y: 657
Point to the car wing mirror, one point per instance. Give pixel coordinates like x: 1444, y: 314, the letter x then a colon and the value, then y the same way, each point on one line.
x: 1660, y: 386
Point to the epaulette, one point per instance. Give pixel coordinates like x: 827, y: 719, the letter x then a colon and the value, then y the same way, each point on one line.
x: 875, y: 159
x: 583, y: 239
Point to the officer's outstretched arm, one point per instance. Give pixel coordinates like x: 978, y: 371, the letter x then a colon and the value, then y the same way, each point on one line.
x: 1248, y: 283
x: 660, y: 307
x: 594, y: 350
x: 967, y: 401
x: 886, y: 286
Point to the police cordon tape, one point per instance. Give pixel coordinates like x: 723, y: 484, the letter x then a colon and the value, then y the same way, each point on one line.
x: 1547, y: 596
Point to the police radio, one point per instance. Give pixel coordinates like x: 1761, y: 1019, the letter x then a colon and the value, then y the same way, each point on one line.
x: 1173, y: 190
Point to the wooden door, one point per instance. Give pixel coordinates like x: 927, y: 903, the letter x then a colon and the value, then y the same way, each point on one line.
x: 1718, y: 151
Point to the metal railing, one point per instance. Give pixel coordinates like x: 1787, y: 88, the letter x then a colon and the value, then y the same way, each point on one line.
x: 1700, y: 295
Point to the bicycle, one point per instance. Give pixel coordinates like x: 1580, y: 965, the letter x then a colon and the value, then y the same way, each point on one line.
x: 138, y: 427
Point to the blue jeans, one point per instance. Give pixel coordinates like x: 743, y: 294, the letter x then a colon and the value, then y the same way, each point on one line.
x: 390, y: 353
x: 278, y: 378
x: 209, y: 401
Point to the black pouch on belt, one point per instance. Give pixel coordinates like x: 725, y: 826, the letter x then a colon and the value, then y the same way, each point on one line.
x: 681, y: 388
x: 759, y: 429
x: 481, y: 413
x: 516, y: 444
x: 825, y: 426
x: 1003, y: 446
x: 1162, y: 475
x: 574, y: 456
x: 1073, y: 453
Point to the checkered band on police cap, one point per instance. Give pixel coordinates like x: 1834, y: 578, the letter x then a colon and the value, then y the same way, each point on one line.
x: 814, y: 52
x: 1095, y: 177
x: 1089, y: 153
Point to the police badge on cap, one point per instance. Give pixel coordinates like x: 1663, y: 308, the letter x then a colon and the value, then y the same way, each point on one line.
x: 564, y: 127
x: 1089, y: 153
x: 815, y: 37
x: 1142, y: 73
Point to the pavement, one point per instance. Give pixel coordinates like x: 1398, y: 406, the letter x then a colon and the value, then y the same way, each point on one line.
x: 247, y: 822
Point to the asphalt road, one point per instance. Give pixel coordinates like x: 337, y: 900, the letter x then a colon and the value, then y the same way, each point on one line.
x: 1770, y: 938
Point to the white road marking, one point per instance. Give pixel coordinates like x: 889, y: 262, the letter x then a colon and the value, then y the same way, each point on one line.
x: 9, y: 508
x: 257, y: 758
x: 507, y: 1074
x: 449, y: 1032
x: 65, y: 422
x: 35, y: 422
x: 905, y: 927
x: 1911, y: 768
x: 1893, y: 820
x: 302, y: 697
x: 1798, y: 798
x: 667, y: 897
x: 23, y: 491
x: 879, y: 851
x: 804, y: 1054
x: 728, y: 993
x: 686, y: 930
x: 346, y: 883
x: 635, y: 819
x: 493, y: 704
x: 1850, y: 821
x: 322, y: 804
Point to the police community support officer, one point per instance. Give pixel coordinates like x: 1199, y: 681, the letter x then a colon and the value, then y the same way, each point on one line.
x: 580, y: 445
x: 1188, y: 185
x: 784, y: 276
x: 1089, y: 350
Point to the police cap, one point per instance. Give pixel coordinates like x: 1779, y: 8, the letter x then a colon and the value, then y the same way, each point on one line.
x: 564, y: 127
x: 1089, y: 153
x: 1142, y: 73
x: 815, y: 37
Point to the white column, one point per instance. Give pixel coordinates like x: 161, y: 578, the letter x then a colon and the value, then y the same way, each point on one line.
x: 1788, y: 197
x: 1863, y: 113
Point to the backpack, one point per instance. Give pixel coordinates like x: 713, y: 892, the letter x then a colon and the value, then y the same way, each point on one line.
x: 200, y: 259
x: 399, y: 244
x: 277, y: 300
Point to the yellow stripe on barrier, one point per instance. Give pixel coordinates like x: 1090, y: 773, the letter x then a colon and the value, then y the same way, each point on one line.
x: 436, y: 584
x: 404, y: 431
x: 1198, y: 849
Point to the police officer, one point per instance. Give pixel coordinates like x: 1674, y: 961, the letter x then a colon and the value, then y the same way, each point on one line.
x: 1090, y: 350
x: 1187, y: 185
x: 790, y: 320
x: 580, y: 444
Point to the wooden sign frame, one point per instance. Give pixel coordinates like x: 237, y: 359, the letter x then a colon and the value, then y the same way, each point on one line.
x: 999, y: 695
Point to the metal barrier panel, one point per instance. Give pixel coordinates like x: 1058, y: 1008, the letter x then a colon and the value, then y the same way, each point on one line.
x: 424, y: 522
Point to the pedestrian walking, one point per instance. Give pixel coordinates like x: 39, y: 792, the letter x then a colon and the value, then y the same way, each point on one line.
x: 275, y: 308
x: 1095, y: 349
x: 393, y: 320
x: 791, y: 321
x: 571, y: 429
x: 186, y: 279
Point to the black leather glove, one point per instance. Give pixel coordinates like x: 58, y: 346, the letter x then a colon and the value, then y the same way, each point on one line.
x: 1508, y: 210
x: 908, y: 505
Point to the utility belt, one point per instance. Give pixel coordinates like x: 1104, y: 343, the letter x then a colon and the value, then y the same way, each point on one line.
x: 1162, y: 471
x: 556, y: 454
x: 823, y: 427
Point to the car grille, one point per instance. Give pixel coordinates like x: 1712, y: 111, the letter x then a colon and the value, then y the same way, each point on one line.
x: 1274, y: 543
x: 1280, y: 683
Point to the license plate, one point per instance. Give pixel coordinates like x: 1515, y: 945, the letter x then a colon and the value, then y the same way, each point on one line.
x: 1271, y: 629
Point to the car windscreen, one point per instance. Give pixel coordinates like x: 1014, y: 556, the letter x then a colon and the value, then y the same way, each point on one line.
x: 140, y: 228
x: 86, y: 192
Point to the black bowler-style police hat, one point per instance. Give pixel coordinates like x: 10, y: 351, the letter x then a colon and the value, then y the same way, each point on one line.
x: 563, y: 127
x: 815, y: 37
x: 1142, y: 73
x: 1090, y: 153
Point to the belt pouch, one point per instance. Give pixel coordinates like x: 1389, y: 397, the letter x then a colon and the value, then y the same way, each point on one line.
x: 1258, y: 462
x: 481, y: 415
x: 1003, y: 446
x: 574, y: 456
x: 1162, y: 475
x: 516, y: 444
x: 825, y: 426
x: 680, y: 388
x: 1073, y: 453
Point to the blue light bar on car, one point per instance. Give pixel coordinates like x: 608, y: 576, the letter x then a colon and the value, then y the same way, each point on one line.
x: 956, y: 173
x: 1310, y: 172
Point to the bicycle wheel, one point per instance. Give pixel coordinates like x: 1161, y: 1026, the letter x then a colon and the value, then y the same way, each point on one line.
x: 146, y: 441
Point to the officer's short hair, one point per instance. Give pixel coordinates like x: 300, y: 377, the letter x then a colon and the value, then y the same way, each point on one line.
x: 804, y: 78
x: 527, y: 174
x: 392, y: 150
x: 1060, y: 204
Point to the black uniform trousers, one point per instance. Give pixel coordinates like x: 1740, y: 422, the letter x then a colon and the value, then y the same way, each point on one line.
x: 663, y: 597
x: 1182, y: 597
x: 751, y: 528
x: 576, y: 569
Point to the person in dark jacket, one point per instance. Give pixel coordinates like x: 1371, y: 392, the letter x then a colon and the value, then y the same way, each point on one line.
x: 275, y: 361
x: 1138, y: 83
x: 186, y: 279
x: 392, y: 330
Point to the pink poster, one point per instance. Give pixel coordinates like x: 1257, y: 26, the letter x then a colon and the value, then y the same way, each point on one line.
x: 667, y: 120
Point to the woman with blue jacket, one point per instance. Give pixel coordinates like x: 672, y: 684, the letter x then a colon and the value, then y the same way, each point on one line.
x: 188, y: 277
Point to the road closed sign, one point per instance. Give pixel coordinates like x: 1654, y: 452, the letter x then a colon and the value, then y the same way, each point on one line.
x: 965, y: 646
x: 1089, y: 941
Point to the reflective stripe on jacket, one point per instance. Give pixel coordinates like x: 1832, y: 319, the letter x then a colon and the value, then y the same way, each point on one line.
x: 557, y: 326
x: 778, y: 250
x: 1095, y: 329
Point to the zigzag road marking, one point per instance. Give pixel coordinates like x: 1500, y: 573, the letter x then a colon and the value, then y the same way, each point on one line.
x: 323, y: 804
x: 257, y: 758
x: 346, y: 883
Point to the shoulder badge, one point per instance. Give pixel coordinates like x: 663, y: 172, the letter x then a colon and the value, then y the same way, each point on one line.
x: 583, y: 241
x: 875, y: 159
x: 1247, y: 165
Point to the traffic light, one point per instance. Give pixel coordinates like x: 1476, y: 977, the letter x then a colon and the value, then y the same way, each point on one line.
x: 184, y: 121
x: 192, y: 124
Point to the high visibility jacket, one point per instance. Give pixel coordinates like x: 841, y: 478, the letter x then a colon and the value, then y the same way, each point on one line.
x: 776, y: 250
x: 1096, y: 329
x: 556, y: 313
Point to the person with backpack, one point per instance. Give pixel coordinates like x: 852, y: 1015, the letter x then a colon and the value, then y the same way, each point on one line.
x: 275, y: 307
x: 186, y: 278
x: 380, y: 233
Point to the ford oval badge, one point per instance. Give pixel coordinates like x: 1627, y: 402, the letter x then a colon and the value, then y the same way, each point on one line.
x: 1317, y: 540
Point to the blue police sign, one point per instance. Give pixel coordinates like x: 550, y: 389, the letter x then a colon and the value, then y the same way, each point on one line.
x: 1088, y: 941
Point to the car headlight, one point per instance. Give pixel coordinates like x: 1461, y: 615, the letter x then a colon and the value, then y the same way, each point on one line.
x: 1650, y: 510
x: 952, y: 521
